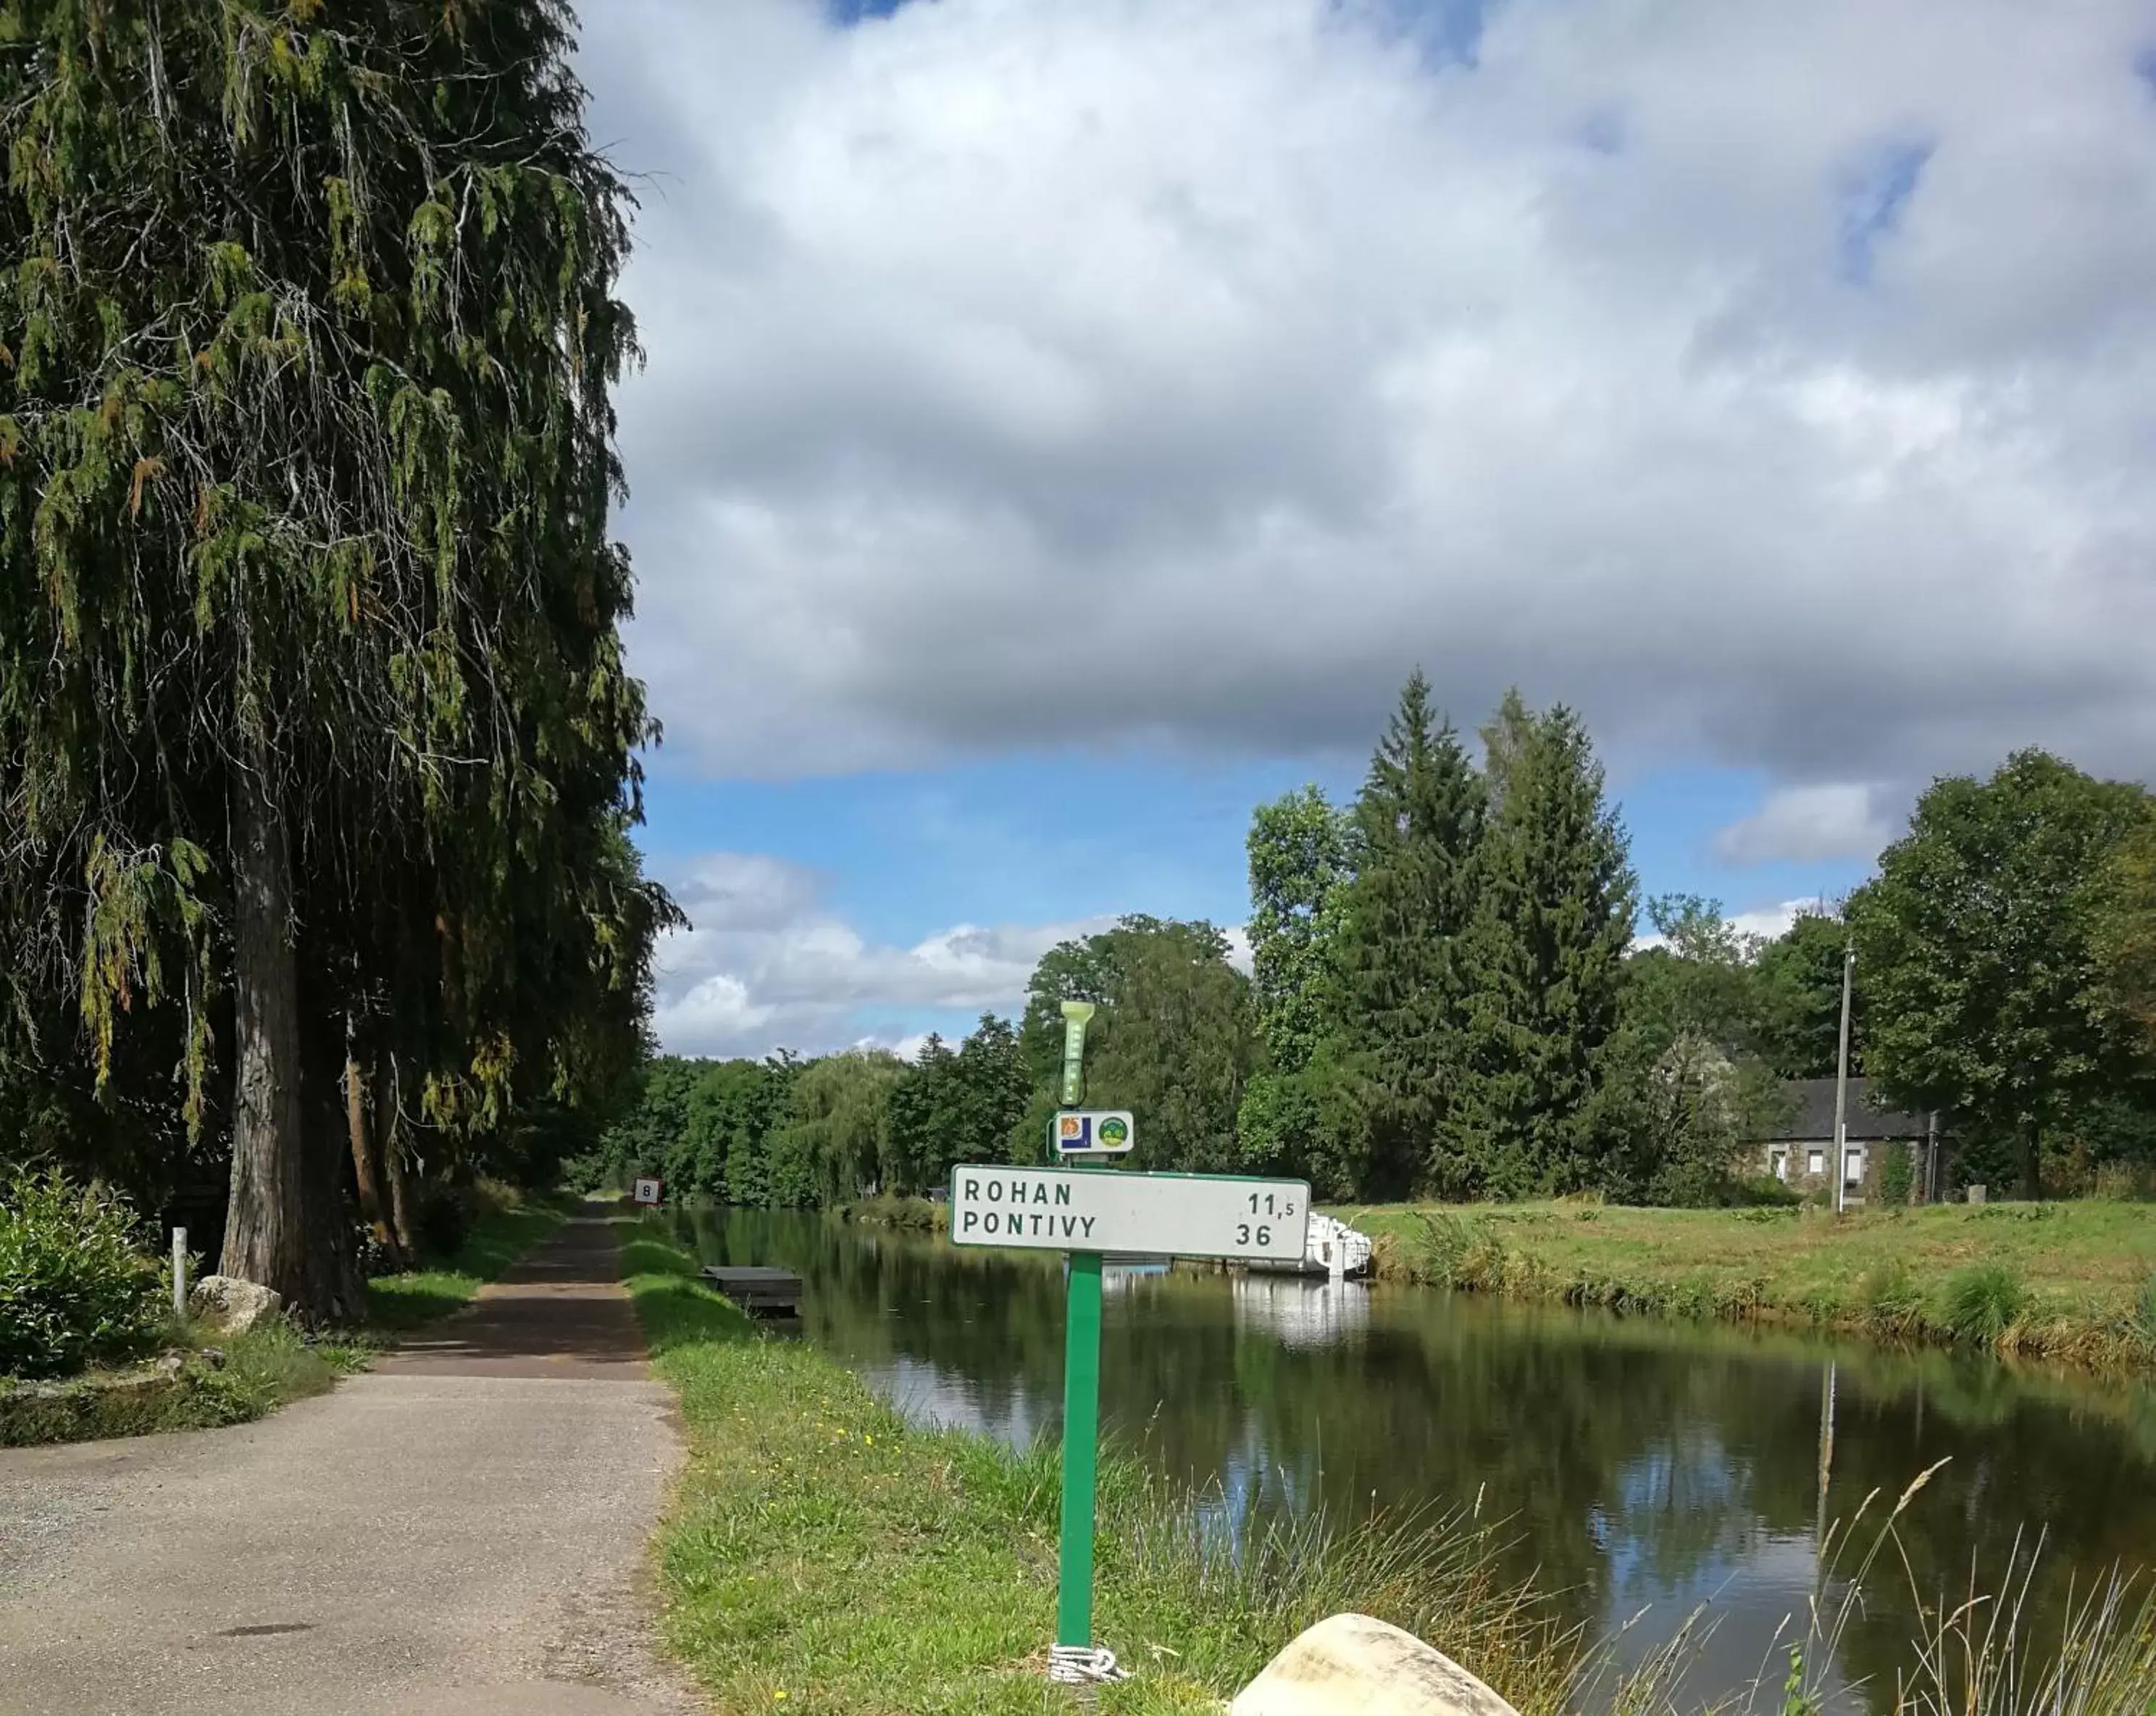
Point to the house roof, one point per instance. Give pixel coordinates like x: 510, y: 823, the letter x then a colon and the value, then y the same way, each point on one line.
x: 1814, y: 1117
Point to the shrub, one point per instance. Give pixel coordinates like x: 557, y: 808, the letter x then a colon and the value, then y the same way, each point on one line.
x: 77, y: 1286
x: 1764, y: 1191
x: 2144, y: 1312
x: 1981, y: 1303
x: 1897, y: 1175
x: 1888, y: 1295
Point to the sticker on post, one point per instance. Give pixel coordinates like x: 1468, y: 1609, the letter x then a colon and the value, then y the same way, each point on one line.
x: 1092, y: 1132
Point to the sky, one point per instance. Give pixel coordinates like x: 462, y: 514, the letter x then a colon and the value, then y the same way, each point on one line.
x: 1064, y: 427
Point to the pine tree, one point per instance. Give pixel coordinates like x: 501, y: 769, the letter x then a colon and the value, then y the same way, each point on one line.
x: 1545, y: 975
x: 313, y: 712
x: 1418, y: 824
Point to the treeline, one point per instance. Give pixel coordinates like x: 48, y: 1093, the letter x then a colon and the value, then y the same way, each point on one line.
x: 1451, y: 996
x: 1450, y: 999
x: 317, y: 743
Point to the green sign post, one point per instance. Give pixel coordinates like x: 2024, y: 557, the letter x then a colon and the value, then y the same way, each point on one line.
x: 1083, y: 1214
x: 1081, y: 1404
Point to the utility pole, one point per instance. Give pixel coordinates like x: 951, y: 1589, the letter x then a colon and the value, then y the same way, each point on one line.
x: 1841, y: 1084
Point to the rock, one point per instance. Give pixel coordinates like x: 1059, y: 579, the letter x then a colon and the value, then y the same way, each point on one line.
x: 232, y: 1305
x: 1351, y: 1663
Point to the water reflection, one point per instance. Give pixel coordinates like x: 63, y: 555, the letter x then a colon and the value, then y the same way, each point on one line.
x: 1639, y: 1464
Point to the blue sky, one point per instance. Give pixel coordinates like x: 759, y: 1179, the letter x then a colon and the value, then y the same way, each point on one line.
x: 1064, y: 427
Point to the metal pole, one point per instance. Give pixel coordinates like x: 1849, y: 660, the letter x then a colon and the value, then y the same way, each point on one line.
x: 1841, y: 1085
x: 1081, y: 1423
x: 179, y: 1271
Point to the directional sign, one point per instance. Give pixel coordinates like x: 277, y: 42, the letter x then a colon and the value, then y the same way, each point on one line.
x: 1091, y: 1132
x: 1174, y: 1215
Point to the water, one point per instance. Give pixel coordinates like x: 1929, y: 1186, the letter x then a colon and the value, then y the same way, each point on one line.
x: 1638, y: 1463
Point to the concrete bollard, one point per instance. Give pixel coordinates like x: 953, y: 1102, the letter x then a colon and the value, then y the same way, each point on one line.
x: 180, y: 1272
x: 1351, y: 1663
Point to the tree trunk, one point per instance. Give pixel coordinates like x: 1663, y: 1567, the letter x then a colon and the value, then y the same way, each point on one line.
x: 2032, y: 1162
x: 389, y: 1131
x: 365, y: 1152
x: 265, y: 1229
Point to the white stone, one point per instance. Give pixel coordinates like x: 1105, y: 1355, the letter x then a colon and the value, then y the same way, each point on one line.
x: 1353, y: 1663
x: 232, y: 1306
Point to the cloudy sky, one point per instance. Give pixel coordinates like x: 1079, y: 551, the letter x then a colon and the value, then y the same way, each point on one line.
x: 1065, y: 424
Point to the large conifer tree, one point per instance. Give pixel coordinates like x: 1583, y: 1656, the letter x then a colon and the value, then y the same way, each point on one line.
x: 1418, y: 823
x: 310, y: 686
x: 1546, y: 957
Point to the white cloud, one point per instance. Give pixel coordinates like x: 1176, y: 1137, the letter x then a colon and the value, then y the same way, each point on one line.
x: 767, y: 964
x: 1807, y: 825
x: 1772, y: 382
x: 1767, y: 922
x: 1774, y: 920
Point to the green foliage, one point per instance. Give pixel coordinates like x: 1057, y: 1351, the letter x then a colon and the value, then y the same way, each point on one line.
x: 1302, y: 860
x: 2144, y: 1312
x: 1980, y: 1303
x: 305, y: 490
x: 1545, y: 958
x: 1404, y: 920
x: 244, y: 1378
x: 1797, y: 977
x: 1978, y: 943
x: 1897, y: 1174
x: 1173, y: 1041
x: 1889, y: 1298
x: 76, y: 1285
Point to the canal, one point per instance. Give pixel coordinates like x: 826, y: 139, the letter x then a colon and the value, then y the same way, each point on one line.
x: 1638, y: 1465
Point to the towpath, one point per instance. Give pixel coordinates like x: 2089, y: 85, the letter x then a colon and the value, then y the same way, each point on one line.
x: 462, y: 1529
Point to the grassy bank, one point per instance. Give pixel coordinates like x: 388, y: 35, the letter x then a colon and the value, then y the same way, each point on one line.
x: 508, y: 1226
x: 211, y: 1382
x: 823, y: 1553
x: 821, y: 1556
x: 2070, y: 1282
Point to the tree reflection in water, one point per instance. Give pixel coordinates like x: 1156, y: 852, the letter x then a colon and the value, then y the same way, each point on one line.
x: 1637, y: 1463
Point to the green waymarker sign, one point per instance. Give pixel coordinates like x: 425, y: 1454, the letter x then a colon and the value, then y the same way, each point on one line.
x: 1076, y: 1013
x: 1075, y: 1205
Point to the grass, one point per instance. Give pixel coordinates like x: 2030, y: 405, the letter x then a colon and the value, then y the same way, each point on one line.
x: 228, y: 1381
x: 823, y: 1556
x: 208, y: 1380
x: 2069, y: 1282
x: 502, y: 1233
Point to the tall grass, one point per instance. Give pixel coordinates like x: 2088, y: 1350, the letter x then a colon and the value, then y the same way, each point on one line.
x: 1981, y: 1303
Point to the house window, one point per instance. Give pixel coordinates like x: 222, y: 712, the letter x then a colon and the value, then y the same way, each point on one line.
x: 1781, y: 1164
x: 1815, y: 1162
x: 1852, y: 1167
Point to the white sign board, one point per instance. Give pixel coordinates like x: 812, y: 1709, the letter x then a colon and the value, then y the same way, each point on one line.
x: 1091, y: 1132
x: 1172, y: 1215
x: 646, y: 1191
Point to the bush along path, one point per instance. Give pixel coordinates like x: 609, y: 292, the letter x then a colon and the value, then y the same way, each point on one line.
x: 460, y: 1529
x: 90, y: 1348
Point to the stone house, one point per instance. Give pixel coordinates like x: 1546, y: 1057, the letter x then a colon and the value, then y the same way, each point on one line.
x: 1801, y: 1153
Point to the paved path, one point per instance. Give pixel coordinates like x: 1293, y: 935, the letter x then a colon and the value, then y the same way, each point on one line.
x: 461, y: 1529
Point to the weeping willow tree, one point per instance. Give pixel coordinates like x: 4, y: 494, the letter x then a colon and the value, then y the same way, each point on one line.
x: 315, y: 733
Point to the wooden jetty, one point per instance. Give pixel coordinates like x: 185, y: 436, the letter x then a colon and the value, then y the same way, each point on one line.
x: 760, y: 1291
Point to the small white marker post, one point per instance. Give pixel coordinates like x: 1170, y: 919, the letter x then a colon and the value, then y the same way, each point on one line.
x: 179, y: 1271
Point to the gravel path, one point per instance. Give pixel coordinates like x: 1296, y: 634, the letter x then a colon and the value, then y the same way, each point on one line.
x: 462, y: 1529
